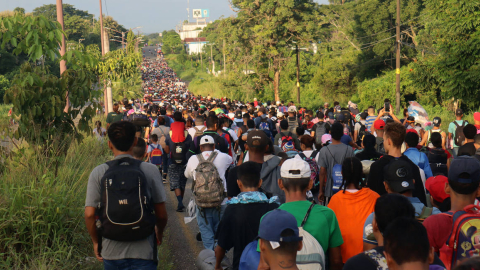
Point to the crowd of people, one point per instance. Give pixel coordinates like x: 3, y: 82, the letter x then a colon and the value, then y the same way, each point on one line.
x: 285, y: 187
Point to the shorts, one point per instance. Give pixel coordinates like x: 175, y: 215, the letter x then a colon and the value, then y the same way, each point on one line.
x: 176, y: 177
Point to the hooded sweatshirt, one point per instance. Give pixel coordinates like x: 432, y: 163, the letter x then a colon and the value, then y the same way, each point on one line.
x: 270, y: 174
x: 352, y: 209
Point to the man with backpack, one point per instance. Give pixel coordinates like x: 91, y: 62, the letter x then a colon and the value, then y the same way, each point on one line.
x: 460, y: 224
x: 420, y: 159
x: 130, y: 225
x: 455, y: 131
x: 293, y: 120
x: 360, y: 129
x: 285, y: 139
x: 178, y: 141
x: 212, y: 127
x: 240, y: 222
x: 320, y: 128
x: 262, y: 122
x: 330, y: 159
x: 199, y: 127
x: 317, y: 220
x: 207, y: 170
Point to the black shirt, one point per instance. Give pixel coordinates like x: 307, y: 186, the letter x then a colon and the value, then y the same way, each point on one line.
x: 232, y: 186
x: 467, y: 149
x: 368, y: 155
x: 239, y: 226
x: 364, y: 262
x: 375, y: 178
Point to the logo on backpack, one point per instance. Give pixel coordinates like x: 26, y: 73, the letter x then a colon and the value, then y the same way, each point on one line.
x: 337, y: 176
x: 125, y: 212
x: 208, y: 186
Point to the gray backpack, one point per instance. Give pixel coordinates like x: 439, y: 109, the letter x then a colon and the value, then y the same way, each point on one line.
x: 208, y: 186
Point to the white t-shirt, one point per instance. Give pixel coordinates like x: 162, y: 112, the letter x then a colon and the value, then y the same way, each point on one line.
x: 232, y: 134
x: 222, y: 162
x: 101, y: 134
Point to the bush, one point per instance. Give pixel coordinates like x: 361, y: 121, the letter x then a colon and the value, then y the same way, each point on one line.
x: 4, y: 85
x: 42, y: 203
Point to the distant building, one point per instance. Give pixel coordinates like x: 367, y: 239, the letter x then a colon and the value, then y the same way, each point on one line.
x: 195, y: 45
x: 189, y: 33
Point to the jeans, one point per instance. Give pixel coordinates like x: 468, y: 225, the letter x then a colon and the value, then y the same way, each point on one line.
x: 129, y: 264
x: 165, y: 164
x: 208, y: 220
x: 455, y: 151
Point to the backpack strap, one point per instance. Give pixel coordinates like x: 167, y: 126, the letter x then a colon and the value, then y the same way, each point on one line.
x: 212, y: 157
x: 196, y: 129
x: 302, y: 155
x: 306, y: 216
x: 314, y: 154
x: 200, y: 158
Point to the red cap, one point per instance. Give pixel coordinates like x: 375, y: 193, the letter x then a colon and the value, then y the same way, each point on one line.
x: 379, y: 124
x: 436, y: 186
x: 476, y: 116
x: 412, y: 130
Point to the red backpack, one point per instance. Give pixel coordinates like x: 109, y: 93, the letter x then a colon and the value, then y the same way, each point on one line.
x: 464, y: 239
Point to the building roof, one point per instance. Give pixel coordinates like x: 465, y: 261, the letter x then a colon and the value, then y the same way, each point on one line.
x: 198, y: 39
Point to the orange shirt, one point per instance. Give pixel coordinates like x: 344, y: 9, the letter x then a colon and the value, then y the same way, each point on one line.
x: 352, y: 209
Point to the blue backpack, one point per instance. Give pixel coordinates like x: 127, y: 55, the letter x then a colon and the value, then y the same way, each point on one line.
x: 156, y: 156
x: 337, y: 176
x: 250, y: 258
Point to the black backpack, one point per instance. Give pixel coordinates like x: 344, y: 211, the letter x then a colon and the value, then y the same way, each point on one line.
x: 361, y: 133
x: 125, y: 212
x: 138, y: 119
x: 179, y: 151
x: 320, y: 130
x: 438, y: 161
x: 459, y: 136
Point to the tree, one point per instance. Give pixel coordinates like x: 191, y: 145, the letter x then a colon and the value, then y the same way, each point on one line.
x: 172, y: 43
x: 270, y: 29
x: 19, y: 10
x: 4, y: 85
x: 50, y: 12
x: 130, y: 42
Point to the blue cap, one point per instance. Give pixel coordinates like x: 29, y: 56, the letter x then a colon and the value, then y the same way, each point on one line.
x: 274, y: 223
x: 331, y: 115
x: 340, y: 117
x: 466, y: 165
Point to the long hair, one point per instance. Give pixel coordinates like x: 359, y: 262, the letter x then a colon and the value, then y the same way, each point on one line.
x: 352, y: 171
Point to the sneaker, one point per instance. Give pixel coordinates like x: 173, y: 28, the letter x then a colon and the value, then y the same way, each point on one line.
x: 181, y: 209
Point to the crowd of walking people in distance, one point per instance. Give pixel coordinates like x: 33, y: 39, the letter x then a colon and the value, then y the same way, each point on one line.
x: 284, y: 187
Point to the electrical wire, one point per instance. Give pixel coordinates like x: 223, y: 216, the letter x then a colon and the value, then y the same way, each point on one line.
x: 403, y: 24
x: 106, y: 8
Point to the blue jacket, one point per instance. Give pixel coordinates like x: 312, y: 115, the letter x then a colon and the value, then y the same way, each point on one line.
x: 420, y: 159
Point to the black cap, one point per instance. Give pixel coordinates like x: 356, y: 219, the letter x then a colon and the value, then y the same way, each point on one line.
x: 398, y: 175
x: 238, y: 114
x: 459, y: 112
x: 437, y: 121
x: 257, y: 139
x: 464, y: 170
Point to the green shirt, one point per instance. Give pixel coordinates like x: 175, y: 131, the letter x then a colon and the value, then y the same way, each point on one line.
x: 321, y: 224
x: 114, y: 117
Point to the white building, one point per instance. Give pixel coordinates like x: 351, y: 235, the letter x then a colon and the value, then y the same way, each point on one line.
x: 195, y: 45
x: 189, y: 33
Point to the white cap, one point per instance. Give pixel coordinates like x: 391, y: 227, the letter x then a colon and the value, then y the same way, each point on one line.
x: 292, y: 109
x: 207, y: 140
x: 280, y: 114
x: 295, y: 168
x: 278, y: 102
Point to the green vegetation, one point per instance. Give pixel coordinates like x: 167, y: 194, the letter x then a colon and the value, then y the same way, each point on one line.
x: 355, y: 45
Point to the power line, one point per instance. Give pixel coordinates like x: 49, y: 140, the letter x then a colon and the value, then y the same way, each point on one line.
x: 403, y: 24
x: 106, y: 8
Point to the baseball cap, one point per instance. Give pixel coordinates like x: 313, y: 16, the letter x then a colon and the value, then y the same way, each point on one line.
x: 410, y: 119
x: 398, y: 174
x: 326, y: 138
x: 465, y: 170
x: 331, y: 115
x: 437, y: 121
x: 295, y: 168
x: 476, y: 116
x: 459, y: 112
x: 379, y: 124
x: 257, y: 139
x: 280, y: 114
x: 292, y: 109
x: 436, y: 186
x: 207, y: 140
x: 278, y: 102
x: 274, y: 223
x: 238, y: 114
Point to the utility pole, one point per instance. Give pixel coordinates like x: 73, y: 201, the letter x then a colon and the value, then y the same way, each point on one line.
x: 224, y: 67
x: 102, y: 38
x: 397, y: 71
x: 298, y: 74
x: 201, y: 59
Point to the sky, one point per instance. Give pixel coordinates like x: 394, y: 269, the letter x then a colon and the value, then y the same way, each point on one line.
x: 153, y: 15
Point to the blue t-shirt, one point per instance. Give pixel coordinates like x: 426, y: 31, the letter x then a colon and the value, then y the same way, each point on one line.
x: 370, y: 120
x: 346, y: 139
